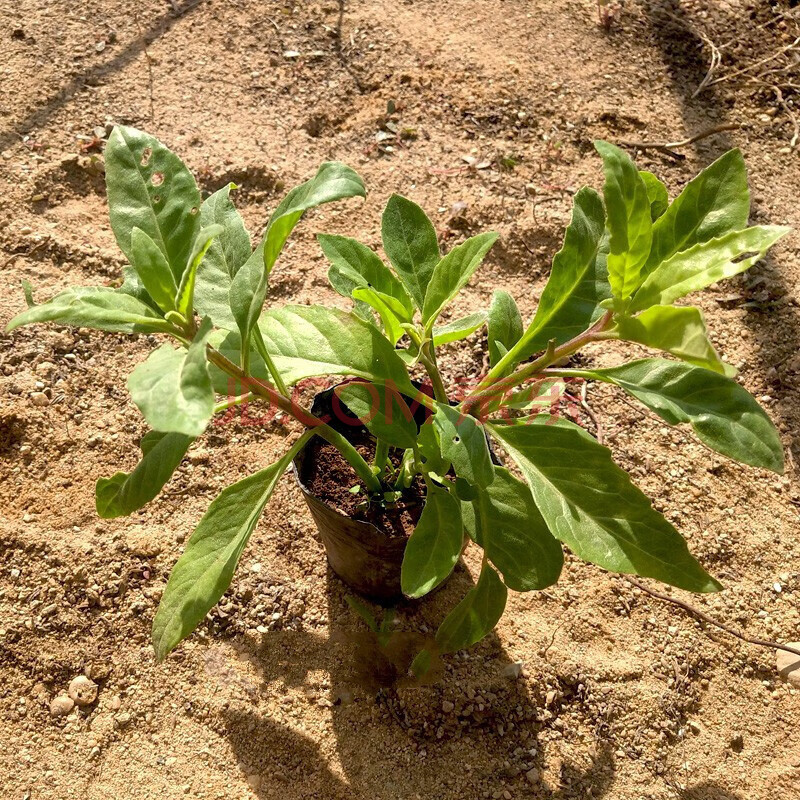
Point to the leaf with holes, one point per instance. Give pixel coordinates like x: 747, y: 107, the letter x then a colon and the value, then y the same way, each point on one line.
x: 150, y: 188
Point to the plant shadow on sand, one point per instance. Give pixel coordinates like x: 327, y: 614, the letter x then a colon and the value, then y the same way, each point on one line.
x: 476, y: 724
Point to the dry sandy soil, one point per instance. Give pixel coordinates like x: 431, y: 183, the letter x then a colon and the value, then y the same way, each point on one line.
x: 589, y: 689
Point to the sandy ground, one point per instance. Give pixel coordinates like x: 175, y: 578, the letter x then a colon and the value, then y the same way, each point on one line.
x: 590, y: 689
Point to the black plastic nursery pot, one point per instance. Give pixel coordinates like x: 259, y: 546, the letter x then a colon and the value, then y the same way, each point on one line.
x: 367, y: 557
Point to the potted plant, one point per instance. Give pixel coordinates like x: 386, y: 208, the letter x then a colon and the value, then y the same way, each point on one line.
x: 400, y: 474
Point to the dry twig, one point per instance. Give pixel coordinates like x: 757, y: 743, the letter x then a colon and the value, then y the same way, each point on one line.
x: 669, y: 147
x: 711, y: 621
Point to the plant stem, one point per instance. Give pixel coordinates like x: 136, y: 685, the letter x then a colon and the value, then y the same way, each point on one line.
x: 428, y: 360
x: 234, y: 401
x: 381, y: 457
x: 492, y: 387
x: 273, y: 370
x: 285, y: 404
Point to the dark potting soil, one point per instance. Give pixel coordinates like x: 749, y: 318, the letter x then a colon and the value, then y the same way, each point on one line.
x: 329, y: 477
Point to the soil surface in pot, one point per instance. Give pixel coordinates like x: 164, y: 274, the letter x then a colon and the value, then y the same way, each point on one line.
x: 328, y: 476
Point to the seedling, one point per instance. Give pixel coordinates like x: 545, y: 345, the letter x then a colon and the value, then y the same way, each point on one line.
x: 627, y: 257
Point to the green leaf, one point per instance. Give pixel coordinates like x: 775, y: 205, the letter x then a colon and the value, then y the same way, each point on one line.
x: 629, y: 222
x: 354, y: 265
x: 333, y: 181
x: 150, y: 188
x: 386, y: 307
x: 172, y: 388
x: 132, y: 285
x: 505, y: 325
x: 410, y: 242
x: 382, y: 410
x: 704, y: 264
x: 722, y: 414
x: 311, y: 340
x: 451, y: 274
x: 462, y: 441
x: 231, y: 248
x: 712, y: 205
x: 590, y: 504
x: 680, y: 330
x: 435, y: 544
x: 512, y: 533
x: 205, y: 570
x: 430, y: 449
x: 94, y: 307
x: 247, y: 293
x: 657, y: 195
x: 475, y: 615
x: 153, y: 270
x: 124, y: 493
x: 228, y: 252
x: 184, y: 302
x: 578, y: 280
x: 458, y: 329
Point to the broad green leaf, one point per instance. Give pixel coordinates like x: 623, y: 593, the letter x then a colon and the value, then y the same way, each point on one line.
x: 132, y: 285
x: 410, y: 242
x: 657, y: 195
x: 704, y: 264
x: 590, y: 504
x: 458, y: 329
x: 578, y: 280
x: 150, y: 188
x: 228, y: 252
x: 680, y: 330
x: 172, y: 388
x: 452, y: 272
x: 505, y: 325
x: 247, y: 293
x: 386, y: 308
x: 462, y: 441
x: 312, y: 340
x: 184, y: 302
x: 435, y: 544
x: 722, y: 414
x: 205, y: 570
x: 712, y: 205
x: 475, y: 615
x: 628, y: 222
x: 333, y: 181
x: 382, y: 411
x: 153, y: 269
x: 354, y: 265
x: 124, y: 493
x: 430, y: 449
x: 231, y: 248
x: 508, y: 526
x: 94, y: 307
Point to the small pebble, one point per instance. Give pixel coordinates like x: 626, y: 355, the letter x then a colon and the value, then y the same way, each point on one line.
x: 61, y: 706
x: 532, y: 775
x: 448, y: 707
x: 82, y: 690
x: 789, y: 664
x: 40, y: 399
